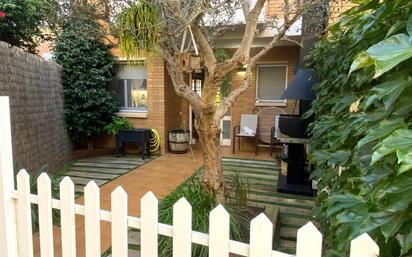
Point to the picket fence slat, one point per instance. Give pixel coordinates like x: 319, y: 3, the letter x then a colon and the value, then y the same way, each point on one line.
x: 182, y: 228
x: 16, y: 232
x: 67, y: 213
x: 219, y: 232
x: 92, y: 219
x: 149, y: 226
x: 45, y: 216
x: 24, y: 226
x: 119, y: 222
x: 364, y: 246
x: 8, y: 231
x: 261, y: 237
x: 309, y: 241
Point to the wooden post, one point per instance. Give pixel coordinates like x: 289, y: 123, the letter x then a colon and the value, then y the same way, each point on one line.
x: 182, y: 228
x: 149, y: 226
x: 8, y: 225
x: 219, y: 232
x: 364, y: 246
x: 45, y: 216
x: 309, y: 241
x: 119, y: 222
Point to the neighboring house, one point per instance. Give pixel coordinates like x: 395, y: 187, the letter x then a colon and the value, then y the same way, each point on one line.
x: 148, y: 99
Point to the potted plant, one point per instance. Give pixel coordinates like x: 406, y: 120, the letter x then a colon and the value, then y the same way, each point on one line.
x: 179, y: 138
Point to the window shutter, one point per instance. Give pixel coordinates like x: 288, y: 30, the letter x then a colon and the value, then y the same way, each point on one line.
x: 271, y: 82
x: 131, y: 72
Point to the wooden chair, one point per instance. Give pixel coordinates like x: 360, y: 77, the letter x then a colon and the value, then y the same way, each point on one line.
x: 266, y: 130
x: 247, y: 129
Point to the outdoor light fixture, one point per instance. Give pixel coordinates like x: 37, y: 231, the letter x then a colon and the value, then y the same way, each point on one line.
x: 242, y: 69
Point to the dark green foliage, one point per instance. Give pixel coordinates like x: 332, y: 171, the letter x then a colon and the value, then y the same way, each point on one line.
x: 363, y: 157
x: 87, y: 68
x: 25, y: 22
x: 202, y: 203
x: 117, y: 124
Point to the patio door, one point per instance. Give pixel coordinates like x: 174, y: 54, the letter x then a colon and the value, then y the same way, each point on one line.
x: 225, y: 125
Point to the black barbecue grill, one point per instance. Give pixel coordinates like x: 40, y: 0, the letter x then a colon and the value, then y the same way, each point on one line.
x: 293, y: 131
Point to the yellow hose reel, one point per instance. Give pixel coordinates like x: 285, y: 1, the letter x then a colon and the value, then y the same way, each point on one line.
x: 154, y: 140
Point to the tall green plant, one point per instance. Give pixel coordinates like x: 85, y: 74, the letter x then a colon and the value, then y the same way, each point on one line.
x: 202, y: 204
x: 362, y: 134
x: 138, y: 29
x: 87, y: 69
x: 24, y: 23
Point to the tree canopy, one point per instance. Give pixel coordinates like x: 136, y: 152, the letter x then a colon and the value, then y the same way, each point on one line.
x: 162, y: 25
x: 25, y: 23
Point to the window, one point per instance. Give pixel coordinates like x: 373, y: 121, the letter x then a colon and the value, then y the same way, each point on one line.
x: 131, y: 88
x: 271, y: 81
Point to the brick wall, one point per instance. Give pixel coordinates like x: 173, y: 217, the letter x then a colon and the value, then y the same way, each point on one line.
x: 274, y: 8
x: 247, y: 101
x: 173, y: 108
x: 163, y: 107
x: 36, y: 97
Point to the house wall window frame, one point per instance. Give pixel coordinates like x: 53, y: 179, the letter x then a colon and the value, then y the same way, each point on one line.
x: 125, y: 74
x: 259, y: 102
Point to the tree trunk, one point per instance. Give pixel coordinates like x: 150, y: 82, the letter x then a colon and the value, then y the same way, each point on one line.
x: 209, y: 135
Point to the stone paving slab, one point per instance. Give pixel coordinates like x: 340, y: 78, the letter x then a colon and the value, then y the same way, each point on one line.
x: 91, y: 175
x: 102, y: 169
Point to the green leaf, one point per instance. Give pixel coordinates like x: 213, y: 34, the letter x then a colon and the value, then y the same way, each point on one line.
x: 390, y: 52
x: 390, y: 91
x: 340, y: 157
x: 407, y: 243
x: 409, y: 26
x: 383, y: 129
x: 401, y: 139
x: 361, y: 61
x: 392, y: 225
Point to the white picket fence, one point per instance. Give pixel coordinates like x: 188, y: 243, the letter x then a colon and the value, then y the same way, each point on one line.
x: 16, y: 232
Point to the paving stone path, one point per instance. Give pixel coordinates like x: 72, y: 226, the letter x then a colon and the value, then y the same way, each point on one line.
x: 102, y: 169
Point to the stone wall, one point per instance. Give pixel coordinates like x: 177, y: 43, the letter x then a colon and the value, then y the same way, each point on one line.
x: 36, y: 97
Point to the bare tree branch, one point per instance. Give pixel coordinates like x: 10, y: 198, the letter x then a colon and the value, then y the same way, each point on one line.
x: 227, y: 102
x: 176, y: 74
x: 241, y: 56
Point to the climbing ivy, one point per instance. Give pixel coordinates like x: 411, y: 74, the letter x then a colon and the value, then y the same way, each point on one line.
x: 362, y: 134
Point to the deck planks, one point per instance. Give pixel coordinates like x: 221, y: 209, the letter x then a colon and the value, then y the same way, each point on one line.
x: 261, y: 178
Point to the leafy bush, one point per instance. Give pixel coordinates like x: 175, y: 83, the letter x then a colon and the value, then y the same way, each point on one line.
x: 202, y: 203
x: 118, y: 123
x: 87, y: 68
x: 24, y: 22
x: 362, y: 134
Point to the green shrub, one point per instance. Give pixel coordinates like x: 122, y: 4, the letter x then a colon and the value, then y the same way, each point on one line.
x: 362, y: 134
x: 87, y: 68
x: 25, y: 22
x: 118, y: 123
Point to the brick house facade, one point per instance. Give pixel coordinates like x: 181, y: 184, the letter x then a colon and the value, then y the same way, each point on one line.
x: 165, y: 110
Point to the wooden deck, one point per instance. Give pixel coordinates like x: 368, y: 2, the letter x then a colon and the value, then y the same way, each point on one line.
x: 262, y: 178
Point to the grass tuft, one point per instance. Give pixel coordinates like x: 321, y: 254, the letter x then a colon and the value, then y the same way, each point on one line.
x: 202, y: 203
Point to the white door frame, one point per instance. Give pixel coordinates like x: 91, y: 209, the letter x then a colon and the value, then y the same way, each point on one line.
x: 226, y: 141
